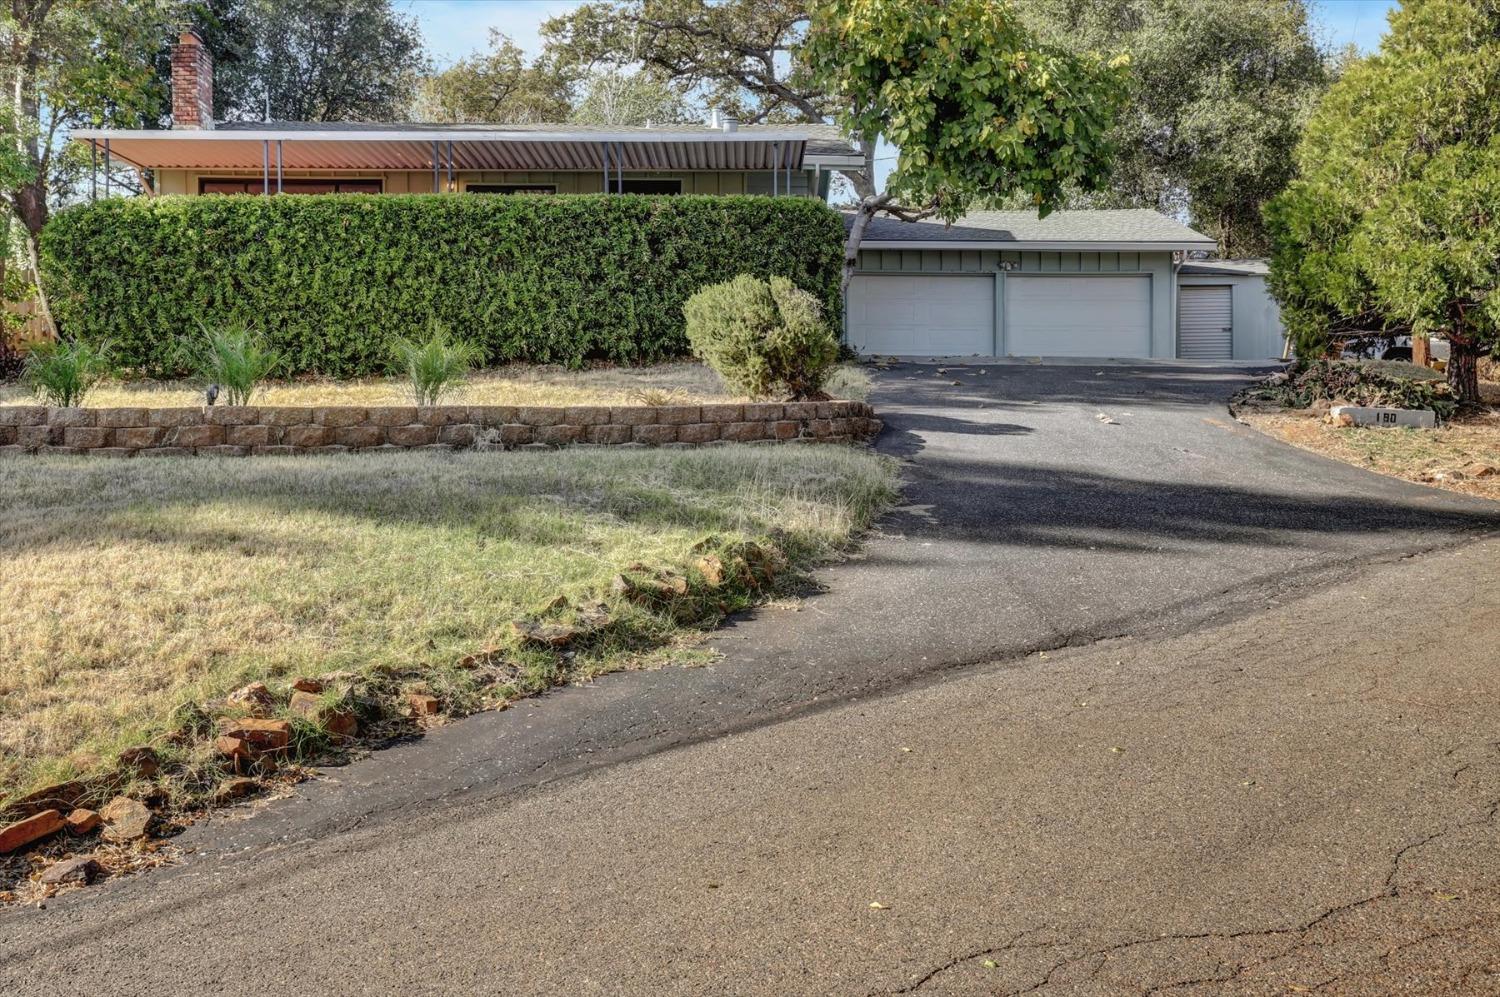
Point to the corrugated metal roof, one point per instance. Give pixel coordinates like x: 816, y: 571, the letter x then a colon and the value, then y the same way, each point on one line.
x: 1231, y: 268
x: 1129, y: 226
x: 409, y: 146
x: 821, y: 139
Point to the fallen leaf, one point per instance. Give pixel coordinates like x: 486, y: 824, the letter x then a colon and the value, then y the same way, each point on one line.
x: 906, y: 750
x: 877, y: 905
x: 989, y: 964
x: 1117, y: 750
x: 1445, y: 896
x: 1105, y: 419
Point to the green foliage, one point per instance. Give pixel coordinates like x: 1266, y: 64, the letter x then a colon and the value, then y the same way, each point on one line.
x: 332, y: 279
x: 702, y: 47
x: 318, y: 60
x: 1392, y: 223
x: 434, y: 367
x: 62, y: 374
x: 762, y: 337
x: 1359, y: 382
x: 234, y: 358
x: 976, y: 106
x: 1218, y: 93
x: 498, y: 85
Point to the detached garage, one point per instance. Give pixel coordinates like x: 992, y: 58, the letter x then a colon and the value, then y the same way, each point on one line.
x: 1005, y: 283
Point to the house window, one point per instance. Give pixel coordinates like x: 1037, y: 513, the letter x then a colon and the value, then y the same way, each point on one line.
x: 289, y: 185
x: 640, y: 186
x: 511, y: 188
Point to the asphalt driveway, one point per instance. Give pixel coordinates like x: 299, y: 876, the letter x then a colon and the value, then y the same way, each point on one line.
x: 1045, y: 506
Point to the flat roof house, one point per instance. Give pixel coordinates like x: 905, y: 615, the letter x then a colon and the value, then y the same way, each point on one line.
x: 201, y: 156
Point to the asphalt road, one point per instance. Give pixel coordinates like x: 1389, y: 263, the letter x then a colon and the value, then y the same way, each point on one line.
x: 1030, y: 523
x: 1302, y: 799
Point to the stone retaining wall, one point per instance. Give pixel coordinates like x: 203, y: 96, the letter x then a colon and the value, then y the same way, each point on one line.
x: 243, y: 430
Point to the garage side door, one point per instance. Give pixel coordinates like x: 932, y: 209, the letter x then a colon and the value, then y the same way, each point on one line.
x: 1078, y: 316
x: 1205, y: 323
x: 911, y: 315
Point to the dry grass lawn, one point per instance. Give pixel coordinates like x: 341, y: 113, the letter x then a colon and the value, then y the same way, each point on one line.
x: 517, y: 384
x: 1413, y: 454
x: 129, y: 588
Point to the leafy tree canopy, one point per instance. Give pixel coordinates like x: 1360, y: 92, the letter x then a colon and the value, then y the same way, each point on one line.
x: 316, y: 60
x: 978, y: 108
x: 498, y: 85
x: 1393, y: 220
x: 68, y: 63
x: 1218, y: 93
x: 613, y: 96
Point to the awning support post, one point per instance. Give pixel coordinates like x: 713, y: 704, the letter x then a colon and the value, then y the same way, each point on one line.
x: 775, y: 166
x: 789, y: 171
x: 93, y: 170
x: 619, y: 170
x: 434, y: 166
x: 604, y: 167
x: 265, y: 167
x: 450, y: 165
x: 278, y: 166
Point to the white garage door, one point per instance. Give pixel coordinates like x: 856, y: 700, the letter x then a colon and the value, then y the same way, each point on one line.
x: 1078, y: 316
x: 1205, y: 323
x: 911, y: 315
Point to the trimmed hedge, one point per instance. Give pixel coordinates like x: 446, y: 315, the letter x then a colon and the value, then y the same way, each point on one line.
x: 331, y: 279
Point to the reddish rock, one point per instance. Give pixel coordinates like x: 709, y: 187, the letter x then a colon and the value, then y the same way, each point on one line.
x: 61, y: 796
x: 304, y: 684
x: 712, y: 570
x: 82, y: 869
x: 82, y: 821
x: 125, y: 819
x: 260, y: 734
x: 33, y: 828
x: 232, y: 747
x: 235, y: 789
x: 422, y: 705
x: 141, y: 760
x: 255, y: 697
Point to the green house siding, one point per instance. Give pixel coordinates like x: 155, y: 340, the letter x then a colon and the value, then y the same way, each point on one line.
x: 999, y: 262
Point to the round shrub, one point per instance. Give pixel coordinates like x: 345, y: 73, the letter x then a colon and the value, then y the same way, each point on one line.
x: 762, y: 337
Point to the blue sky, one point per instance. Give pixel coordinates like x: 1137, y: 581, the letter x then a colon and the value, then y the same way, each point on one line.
x: 454, y: 28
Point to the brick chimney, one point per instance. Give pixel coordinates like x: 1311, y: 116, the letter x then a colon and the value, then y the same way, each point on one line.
x: 192, y: 82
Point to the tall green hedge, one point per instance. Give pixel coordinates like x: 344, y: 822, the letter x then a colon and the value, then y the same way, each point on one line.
x: 330, y: 279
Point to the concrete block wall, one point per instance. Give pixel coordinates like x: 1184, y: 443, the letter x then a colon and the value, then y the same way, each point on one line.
x: 249, y: 430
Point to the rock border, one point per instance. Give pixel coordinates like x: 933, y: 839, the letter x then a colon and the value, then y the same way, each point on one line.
x: 238, y: 431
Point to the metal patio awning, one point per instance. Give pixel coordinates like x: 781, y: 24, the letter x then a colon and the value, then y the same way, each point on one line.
x: 416, y: 149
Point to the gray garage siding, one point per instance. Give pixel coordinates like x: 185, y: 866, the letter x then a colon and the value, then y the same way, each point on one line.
x: 1156, y: 265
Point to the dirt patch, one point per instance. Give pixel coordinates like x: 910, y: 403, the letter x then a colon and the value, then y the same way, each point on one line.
x: 1453, y: 456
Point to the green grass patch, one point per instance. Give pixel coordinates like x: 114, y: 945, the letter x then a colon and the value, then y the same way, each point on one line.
x: 134, y: 592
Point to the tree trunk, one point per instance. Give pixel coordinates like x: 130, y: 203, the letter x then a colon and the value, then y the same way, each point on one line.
x: 868, y: 206
x: 31, y: 206
x: 1463, y: 369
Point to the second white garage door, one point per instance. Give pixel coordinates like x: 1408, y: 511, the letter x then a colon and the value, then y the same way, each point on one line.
x: 915, y: 315
x: 1078, y: 316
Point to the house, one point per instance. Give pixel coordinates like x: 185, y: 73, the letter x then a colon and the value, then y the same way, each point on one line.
x: 1073, y: 284
x: 201, y: 156
x: 1077, y: 283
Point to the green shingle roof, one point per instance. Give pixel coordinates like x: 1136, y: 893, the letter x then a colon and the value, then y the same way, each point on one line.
x: 1129, y: 225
